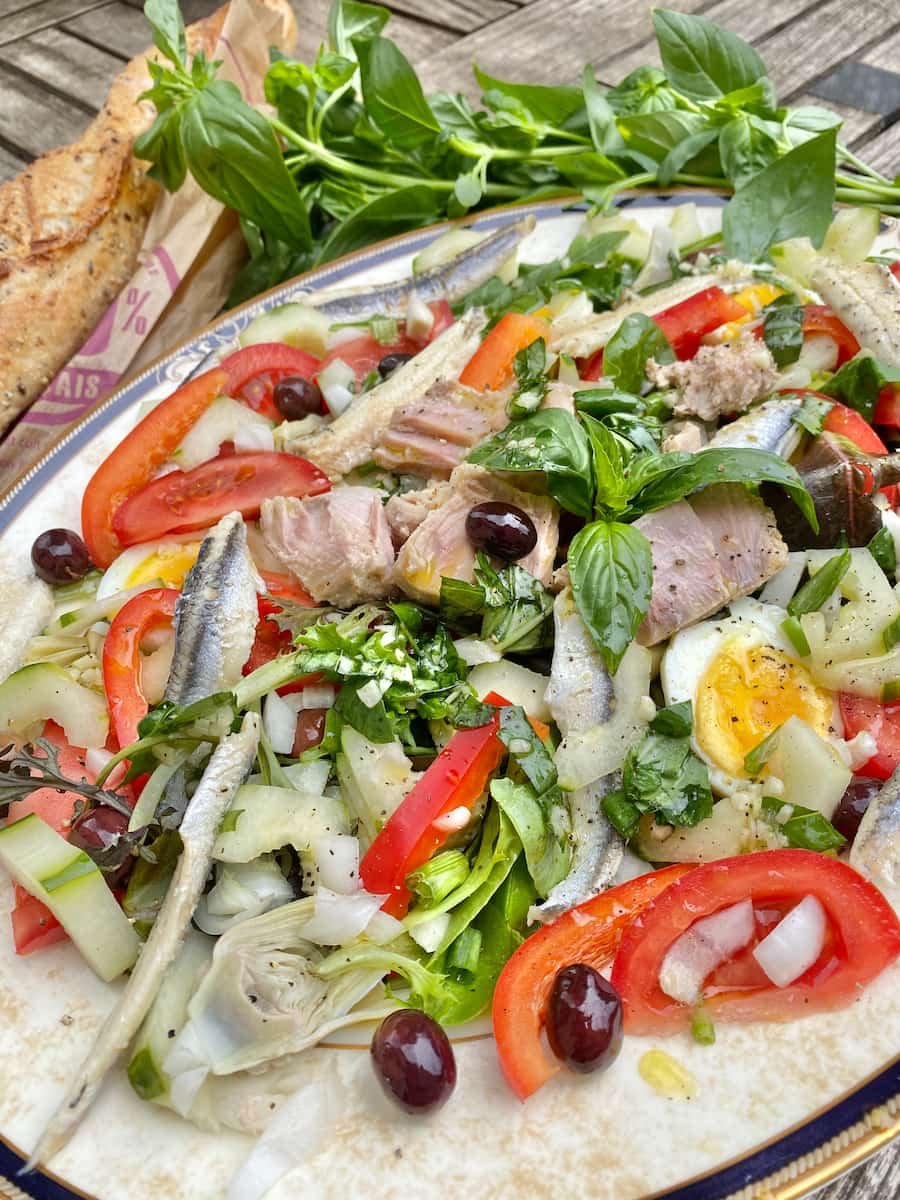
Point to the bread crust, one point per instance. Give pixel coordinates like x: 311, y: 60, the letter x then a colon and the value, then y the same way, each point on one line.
x: 71, y: 226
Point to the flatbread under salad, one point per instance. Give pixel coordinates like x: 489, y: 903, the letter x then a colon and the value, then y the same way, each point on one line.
x: 511, y: 648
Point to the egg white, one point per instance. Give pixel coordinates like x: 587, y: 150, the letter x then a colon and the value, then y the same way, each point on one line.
x: 165, y: 560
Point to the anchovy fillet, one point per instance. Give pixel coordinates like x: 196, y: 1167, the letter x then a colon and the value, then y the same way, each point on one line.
x: 451, y: 281
x: 768, y: 426
x: 866, y: 297
x: 227, y: 769
x: 215, y: 621
x: 876, y: 847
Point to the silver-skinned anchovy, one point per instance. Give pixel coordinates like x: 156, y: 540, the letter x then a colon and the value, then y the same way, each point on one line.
x: 451, y: 281
x: 876, y: 847
x: 866, y: 297
x: 768, y: 426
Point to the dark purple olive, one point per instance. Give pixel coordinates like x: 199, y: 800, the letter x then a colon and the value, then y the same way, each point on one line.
x: 854, y: 802
x: 391, y: 362
x: 501, y: 529
x: 310, y: 729
x: 413, y: 1060
x: 60, y: 556
x: 584, y: 1021
x: 296, y: 397
x: 99, y: 829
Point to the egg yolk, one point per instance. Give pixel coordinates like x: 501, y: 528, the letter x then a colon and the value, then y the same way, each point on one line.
x: 747, y: 692
x: 168, y: 563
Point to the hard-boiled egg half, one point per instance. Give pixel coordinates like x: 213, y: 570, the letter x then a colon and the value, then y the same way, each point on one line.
x: 744, y: 680
x: 167, y: 561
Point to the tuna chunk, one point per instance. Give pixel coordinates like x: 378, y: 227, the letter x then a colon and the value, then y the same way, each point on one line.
x: 431, y: 436
x: 407, y: 510
x: 338, y: 545
x: 708, y: 551
x: 719, y: 379
x: 439, y: 546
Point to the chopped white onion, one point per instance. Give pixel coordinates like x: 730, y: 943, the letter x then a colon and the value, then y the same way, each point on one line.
x: 430, y: 933
x: 891, y: 522
x: 280, y: 723
x: 338, y: 334
x: 334, y: 383
x: 337, y: 862
x: 781, y: 587
x: 454, y: 820
x: 794, y: 944
x: 383, y: 928
x: 702, y: 948
x: 322, y: 695
x: 338, y: 398
x: 473, y: 651
x: 370, y: 693
x: 253, y: 437
x: 339, y: 919
x: 419, y: 318
x: 309, y: 776
x: 858, y: 749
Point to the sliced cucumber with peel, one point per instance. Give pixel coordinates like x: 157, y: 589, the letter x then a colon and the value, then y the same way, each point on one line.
x: 73, y: 888
x: 298, y: 325
x: 43, y: 691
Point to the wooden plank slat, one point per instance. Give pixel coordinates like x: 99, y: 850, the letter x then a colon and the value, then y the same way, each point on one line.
x: 65, y: 64
x: 459, y: 15
x: 42, y: 15
x: 415, y: 39
x: 10, y: 164
x: 883, y: 153
x: 33, y: 120
x: 117, y: 28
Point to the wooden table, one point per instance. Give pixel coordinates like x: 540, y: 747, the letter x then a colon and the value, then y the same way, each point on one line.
x: 57, y: 58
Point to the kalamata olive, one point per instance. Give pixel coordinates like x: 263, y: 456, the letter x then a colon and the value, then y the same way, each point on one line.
x: 391, y: 362
x: 100, y: 829
x: 413, y: 1060
x: 584, y: 1020
x: 501, y: 529
x: 60, y: 556
x: 854, y: 802
x: 296, y: 397
x: 310, y: 729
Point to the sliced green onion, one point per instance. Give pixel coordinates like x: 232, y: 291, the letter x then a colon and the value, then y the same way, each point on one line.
x: 793, y: 631
x: 702, y: 1029
x: 621, y: 814
x: 890, y: 692
x: 437, y: 878
x: 145, y: 809
x: 891, y: 635
x: 816, y: 591
x: 755, y: 759
x: 464, y: 953
x: 884, y: 550
x: 384, y: 330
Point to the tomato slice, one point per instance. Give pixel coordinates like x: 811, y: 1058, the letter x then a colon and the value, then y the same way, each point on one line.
x: 819, y: 319
x: 685, y: 323
x: 887, y: 406
x: 364, y: 353
x: 847, y: 422
x: 593, y: 368
x: 254, y: 371
x: 285, y: 587
x: 491, y: 366
x: 861, y: 714
x: 134, y: 461
x: 33, y: 924
x: 271, y: 641
x: 865, y: 939
x: 587, y: 934
x: 184, y: 500
x: 151, y: 610
x: 457, y: 777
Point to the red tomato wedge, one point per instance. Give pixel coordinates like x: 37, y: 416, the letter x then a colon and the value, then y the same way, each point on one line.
x: 887, y: 406
x: 286, y: 587
x: 593, y: 368
x: 364, y: 353
x: 861, y: 714
x: 685, y: 323
x: 588, y: 934
x: 847, y: 422
x: 132, y: 464
x: 491, y: 366
x: 270, y: 640
x: 33, y: 924
x: 185, y: 500
x: 254, y: 371
x: 864, y: 929
x: 456, y: 778
x: 144, y: 613
x: 895, y: 269
x: 819, y: 319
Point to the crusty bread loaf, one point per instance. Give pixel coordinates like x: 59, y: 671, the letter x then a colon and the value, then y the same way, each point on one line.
x: 71, y: 225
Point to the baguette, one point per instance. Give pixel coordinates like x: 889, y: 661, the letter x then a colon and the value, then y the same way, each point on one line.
x: 71, y: 226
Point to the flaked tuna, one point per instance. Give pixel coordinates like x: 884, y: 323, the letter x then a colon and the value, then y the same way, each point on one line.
x: 708, y: 551
x: 431, y: 436
x: 406, y: 511
x: 338, y: 545
x: 718, y: 380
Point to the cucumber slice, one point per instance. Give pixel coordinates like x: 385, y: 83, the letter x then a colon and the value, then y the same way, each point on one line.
x: 852, y: 233
x: 168, y: 1016
x: 74, y: 890
x: 266, y: 818
x: 43, y: 691
x: 298, y: 325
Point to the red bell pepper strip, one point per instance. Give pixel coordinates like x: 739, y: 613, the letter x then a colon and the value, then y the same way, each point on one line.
x: 864, y: 939
x: 819, y: 319
x: 254, y: 371
x: 456, y: 778
x: 133, y: 462
x: 144, y: 613
x: 847, y: 422
x: 587, y: 934
x: 887, y: 407
x: 491, y: 366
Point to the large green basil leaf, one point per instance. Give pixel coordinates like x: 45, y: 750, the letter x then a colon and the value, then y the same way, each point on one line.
x: 349, y: 22
x: 553, y: 105
x: 611, y: 568
x: 393, y: 95
x: 167, y: 27
x: 745, y: 148
x: 625, y: 355
x: 393, y: 212
x: 859, y: 381
x: 703, y: 60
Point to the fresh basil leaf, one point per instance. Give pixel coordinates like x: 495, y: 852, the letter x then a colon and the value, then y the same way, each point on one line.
x: 454, y: 113
x: 858, y: 382
x: 601, y: 402
x: 677, y: 720
x: 333, y: 70
x: 701, y: 60
x: 621, y: 814
x: 783, y: 331
x: 392, y: 212
x: 611, y: 495
x: 601, y: 117
x: 393, y: 95
x: 643, y: 90
x: 167, y: 27
x: 233, y: 153
x: 683, y: 154
x: 468, y: 189
x: 794, y: 197
x: 466, y: 711
x: 372, y: 721
x: 625, y: 355
x: 662, y: 775
x: 551, y: 441
x: 526, y: 749
x: 543, y: 824
x: 611, y: 567
x: 802, y: 123
x: 804, y: 828
x: 589, y: 169
x: 817, y: 590
x: 745, y: 149
x: 161, y: 145
x: 884, y: 550
x: 812, y: 413
x: 657, y: 482
x: 553, y: 105
x: 517, y: 607
x: 350, y: 22
x: 530, y: 365
x: 460, y: 602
